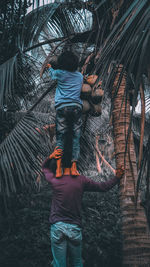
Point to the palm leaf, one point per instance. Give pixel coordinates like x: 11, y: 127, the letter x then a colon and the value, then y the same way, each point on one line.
x: 35, y: 22
x: 21, y: 153
x: 59, y: 20
x: 125, y: 43
x: 7, y: 72
x: 17, y: 81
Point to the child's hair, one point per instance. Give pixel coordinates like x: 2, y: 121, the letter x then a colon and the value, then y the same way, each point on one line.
x: 68, y: 61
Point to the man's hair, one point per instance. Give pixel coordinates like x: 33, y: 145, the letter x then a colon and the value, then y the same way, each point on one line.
x: 51, y: 164
x: 68, y: 61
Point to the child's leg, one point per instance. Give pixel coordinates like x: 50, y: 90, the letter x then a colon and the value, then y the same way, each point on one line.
x: 77, y: 123
x: 61, y: 128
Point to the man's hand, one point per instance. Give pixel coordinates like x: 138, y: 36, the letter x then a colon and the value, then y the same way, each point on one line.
x: 57, y: 154
x: 119, y: 172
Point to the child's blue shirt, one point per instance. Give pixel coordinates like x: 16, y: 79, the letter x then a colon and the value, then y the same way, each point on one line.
x: 69, y: 86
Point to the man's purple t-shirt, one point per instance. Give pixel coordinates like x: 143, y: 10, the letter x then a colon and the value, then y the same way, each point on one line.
x: 67, y: 193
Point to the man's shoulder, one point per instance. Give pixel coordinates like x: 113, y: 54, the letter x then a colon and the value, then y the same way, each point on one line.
x: 82, y: 177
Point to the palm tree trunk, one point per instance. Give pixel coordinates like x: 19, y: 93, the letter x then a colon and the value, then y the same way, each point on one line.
x: 136, y: 238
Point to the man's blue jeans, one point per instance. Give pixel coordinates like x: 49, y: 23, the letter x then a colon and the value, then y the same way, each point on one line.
x: 69, y: 118
x: 66, y: 239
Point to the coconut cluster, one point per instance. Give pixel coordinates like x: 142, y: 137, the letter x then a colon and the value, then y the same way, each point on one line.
x: 91, y: 95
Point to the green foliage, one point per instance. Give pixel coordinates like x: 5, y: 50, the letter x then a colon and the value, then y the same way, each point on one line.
x: 101, y: 230
x: 102, y: 240
x: 24, y: 240
x: 11, y: 25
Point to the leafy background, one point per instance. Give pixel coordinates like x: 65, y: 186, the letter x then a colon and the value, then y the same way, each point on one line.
x: 24, y: 200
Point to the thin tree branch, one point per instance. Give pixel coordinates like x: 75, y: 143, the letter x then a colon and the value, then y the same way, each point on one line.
x: 97, y: 158
x: 56, y: 40
x: 104, y: 160
x: 50, y: 55
x: 43, y: 95
x: 142, y: 125
x: 87, y: 62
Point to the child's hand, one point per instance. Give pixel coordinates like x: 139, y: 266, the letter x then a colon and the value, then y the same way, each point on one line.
x: 44, y: 68
x: 48, y: 66
x: 119, y: 172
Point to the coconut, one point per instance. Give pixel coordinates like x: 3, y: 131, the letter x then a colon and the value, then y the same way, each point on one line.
x: 86, y: 91
x: 86, y: 106
x: 97, y: 95
x: 96, y: 110
x: 91, y: 79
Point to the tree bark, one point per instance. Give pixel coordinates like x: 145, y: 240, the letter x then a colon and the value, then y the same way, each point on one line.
x: 136, y: 238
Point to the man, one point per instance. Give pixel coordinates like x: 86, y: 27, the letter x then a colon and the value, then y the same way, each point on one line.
x: 65, y: 217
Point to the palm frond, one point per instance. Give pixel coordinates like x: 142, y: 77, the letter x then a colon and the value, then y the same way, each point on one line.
x: 35, y: 22
x: 21, y: 154
x: 129, y: 39
x: 147, y: 104
x: 17, y: 80
x: 57, y: 21
x: 8, y: 71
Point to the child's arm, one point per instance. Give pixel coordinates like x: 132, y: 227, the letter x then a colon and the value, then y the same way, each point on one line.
x: 57, y: 153
x: 53, y: 73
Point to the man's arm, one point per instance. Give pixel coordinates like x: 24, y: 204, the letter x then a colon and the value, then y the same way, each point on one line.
x: 57, y: 153
x: 90, y: 185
